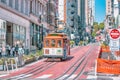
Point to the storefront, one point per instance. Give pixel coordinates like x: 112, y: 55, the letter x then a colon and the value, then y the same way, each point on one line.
x: 19, y: 36
x: 12, y: 34
x: 2, y: 32
x: 36, y: 36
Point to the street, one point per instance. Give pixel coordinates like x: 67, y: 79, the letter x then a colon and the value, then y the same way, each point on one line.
x: 78, y: 66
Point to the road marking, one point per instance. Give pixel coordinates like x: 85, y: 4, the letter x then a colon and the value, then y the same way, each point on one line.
x: 45, y: 76
x: 21, y: 76
x: 91, y: 77
x: 71, y: 77
x: 103, y: 77
x: 3, y: 75
x: 63, y: 77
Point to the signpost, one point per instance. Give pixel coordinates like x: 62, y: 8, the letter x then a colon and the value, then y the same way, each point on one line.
x: 114, y: 39
x: 114, y: 34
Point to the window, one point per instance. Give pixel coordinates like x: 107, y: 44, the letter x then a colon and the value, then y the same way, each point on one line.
x: 3, y: 1
x: 11, y: 3
x: 53, y: 43
x: 22, y: 6
x: 47, y: 43
x: 59, y: 44
x: 16, y: 5
x: 31, y: 6
x: 26, y: 7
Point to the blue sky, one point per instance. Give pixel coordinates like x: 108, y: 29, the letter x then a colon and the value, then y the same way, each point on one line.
x: 99, y: 10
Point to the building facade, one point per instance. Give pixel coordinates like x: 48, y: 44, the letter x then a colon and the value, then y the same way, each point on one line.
x: 24, y: 22
x: 72, y: 18
x: 62, y: 14
x: 109, y: 19
x: 51, y: 13
x: 89, y: 17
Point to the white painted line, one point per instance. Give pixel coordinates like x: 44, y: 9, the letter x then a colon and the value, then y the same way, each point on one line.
x: 116, y: 78
x: 23, y: 76
x: 3, y: 75
x: 63, y: 77
x: 73, y: 76
x: 45, y: 76
x: 70, y: 78
x: 18, y: 76
x: 91, y: 77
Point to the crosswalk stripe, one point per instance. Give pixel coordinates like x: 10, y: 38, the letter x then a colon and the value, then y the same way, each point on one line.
x: 3, y: 75
x: 91, y: 77
x: 95, y: 77
x: 45, y: 76
x: 21, y: 76
x: 63, y: 77
x: 71, y: 77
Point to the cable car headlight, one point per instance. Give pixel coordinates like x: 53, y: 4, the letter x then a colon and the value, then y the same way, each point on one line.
x: 46, y: 51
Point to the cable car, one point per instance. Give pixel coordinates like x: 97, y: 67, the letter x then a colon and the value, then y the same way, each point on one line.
x: 56, y: 45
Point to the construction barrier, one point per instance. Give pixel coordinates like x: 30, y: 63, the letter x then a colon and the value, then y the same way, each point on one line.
x: 105, y: 48
x: 117, y: 53
x: 105, y: 65
x: 108, y: 66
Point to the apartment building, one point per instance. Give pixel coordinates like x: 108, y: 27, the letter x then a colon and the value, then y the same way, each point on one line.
x: 24, y: 22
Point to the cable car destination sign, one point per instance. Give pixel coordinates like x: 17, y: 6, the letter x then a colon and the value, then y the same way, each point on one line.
x: 114, y: 39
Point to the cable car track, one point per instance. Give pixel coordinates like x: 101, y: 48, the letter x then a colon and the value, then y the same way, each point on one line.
x: 38, y: 69
x: 79, y: 62
x: 82, y: 70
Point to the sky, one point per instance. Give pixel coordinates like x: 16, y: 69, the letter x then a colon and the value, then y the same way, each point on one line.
x: 100, y: 10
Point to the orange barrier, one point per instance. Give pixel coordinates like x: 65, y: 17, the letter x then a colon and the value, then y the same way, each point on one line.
x: 105, y: 48
x: 117, y: 53
x: 108, y: 66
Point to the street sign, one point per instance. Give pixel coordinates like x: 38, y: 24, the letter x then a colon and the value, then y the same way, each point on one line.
x: 114, y: 45
x: 114, y: 39
x: 114, y: 33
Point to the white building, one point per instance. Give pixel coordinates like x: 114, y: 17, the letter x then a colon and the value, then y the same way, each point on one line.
x: 23, y: 22
x: 62, y: 13
x: 109, y: 20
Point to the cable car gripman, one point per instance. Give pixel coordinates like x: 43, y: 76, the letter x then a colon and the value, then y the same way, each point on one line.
x: 56, y: 45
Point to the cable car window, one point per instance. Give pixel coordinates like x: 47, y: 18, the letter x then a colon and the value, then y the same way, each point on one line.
x: 53, y: 43
x: 59, y: 43
x: 47, y: 43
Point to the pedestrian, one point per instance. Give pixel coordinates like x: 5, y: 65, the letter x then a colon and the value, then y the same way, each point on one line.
x: 9, y: 48
x: 16, y: 50
x: 12, y: 51
x: 3, y: 55
x: 0, y: 52
x: 20, y: 55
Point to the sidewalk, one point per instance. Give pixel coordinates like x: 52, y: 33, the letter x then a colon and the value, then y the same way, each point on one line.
x: 4, y: 73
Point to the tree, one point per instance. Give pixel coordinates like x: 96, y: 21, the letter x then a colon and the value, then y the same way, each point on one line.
x: 93, y: 34
x: 101, y: 26
x: 95, y: 26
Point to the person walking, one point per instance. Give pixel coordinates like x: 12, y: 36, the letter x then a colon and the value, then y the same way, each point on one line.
x: 20, y: 55
x: 3, y: 55
x: 12, y: 51
x: 0, y: 52
x: 16, y: 50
